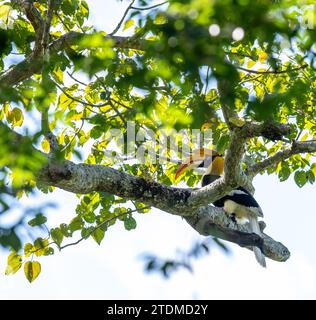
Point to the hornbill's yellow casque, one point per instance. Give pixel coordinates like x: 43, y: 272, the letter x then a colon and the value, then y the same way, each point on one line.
x: 239, y: 204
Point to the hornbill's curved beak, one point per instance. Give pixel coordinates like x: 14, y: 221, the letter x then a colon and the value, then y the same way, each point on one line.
x: 198, y: 158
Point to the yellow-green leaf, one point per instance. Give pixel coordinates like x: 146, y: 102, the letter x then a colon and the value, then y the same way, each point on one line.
x: 4, y: 12
x: 14, y: 263
x: 31, y: 270
x: 238, y: 122
x: 160, y: 18
x: 15, y: 117
x: 45, y: 145
x: 58, y: 75
x: 250, y: 63
x: 98, y: 235
x: 28, y: 249
x: 263, y: 57
x: 129, y: 23
x: 305, y: 136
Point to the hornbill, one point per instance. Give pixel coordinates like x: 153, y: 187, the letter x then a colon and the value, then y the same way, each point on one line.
x: 239, y: 204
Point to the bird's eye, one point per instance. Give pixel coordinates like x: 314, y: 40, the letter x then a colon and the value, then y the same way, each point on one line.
x: 201, y: 165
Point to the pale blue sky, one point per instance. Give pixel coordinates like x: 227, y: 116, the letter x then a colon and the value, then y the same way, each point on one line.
x: 114, y: 270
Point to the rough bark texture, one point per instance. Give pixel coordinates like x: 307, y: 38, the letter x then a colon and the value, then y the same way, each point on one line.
x: 207, y: 220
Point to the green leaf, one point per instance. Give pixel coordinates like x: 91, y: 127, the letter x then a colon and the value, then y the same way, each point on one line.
x: 284, y: 173
x: 57, y: 235
x: 65, y: 230
x: 89, y: 216
x: 96, y: 132
x: 98, y: 235
x: 222, y: 143
x: 38, y: 220
x: 310, y: 176
x: 300, y: 178
x: 31, y: 270
x: 129, y: 23
x: 130, y: 223
x: 160, y: 18
x: 49, y: 251
x: 14, y: 263
x: 15, y: 117
x: 11, y: 240
x: 75, y: 224
x: 238, y: 122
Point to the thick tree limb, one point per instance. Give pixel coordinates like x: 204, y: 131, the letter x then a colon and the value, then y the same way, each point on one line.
x: 35, y: 18
x: 47, y: 23
x: 227, y: 110
x: 271, y: 130
x: 32, y: 15
x: 84, y: 178
x: 213, y: 221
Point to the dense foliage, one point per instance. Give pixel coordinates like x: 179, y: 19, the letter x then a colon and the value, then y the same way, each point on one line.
x: 175, y: 66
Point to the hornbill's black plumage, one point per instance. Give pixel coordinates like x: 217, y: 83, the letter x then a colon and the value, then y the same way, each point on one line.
x: 238, y: 204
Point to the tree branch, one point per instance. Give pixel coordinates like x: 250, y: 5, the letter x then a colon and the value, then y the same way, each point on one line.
x: 47, y: 24
x: 296, y: 148
x: 213, y: 221
x: 273, y: 71
x: 34, y: 62
x: 228, y: 111
x: 149, y: 8
x: 84, y: 178
x: 271, y: 129
x: 32, y: 15
x: 122, y: 19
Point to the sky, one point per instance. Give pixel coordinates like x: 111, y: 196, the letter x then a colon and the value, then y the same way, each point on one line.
x: 115, y: 269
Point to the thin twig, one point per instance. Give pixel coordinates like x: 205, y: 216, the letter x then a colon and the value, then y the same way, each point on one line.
x: 272, y: 71
x: 75, y: 135
x: 122, y: 20
x: 62, y: 21
x: 73, y: 78
x: 117, y: 112
x: 100, y: 225
x: 79, y: 100
x: 148, y: 8
x: 206, y: 79
x: 239, y: 54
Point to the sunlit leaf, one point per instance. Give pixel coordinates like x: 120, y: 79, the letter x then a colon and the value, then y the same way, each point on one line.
x: 98, y: 235
x: 28, y: 249
x: 15, y: 117
x: 14, y: 263
x: 32, y: 269
x: 57, y: 235
x: 129, y: 23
